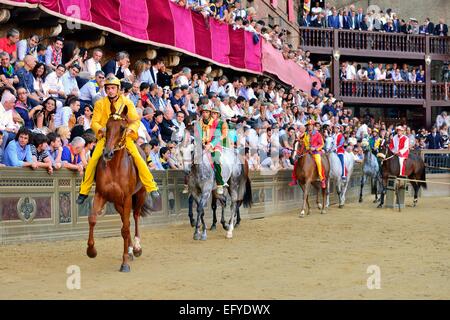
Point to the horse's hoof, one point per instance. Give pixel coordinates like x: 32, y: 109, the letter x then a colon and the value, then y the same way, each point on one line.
x: 91, y: 252
x: 415, y: 202
x: 380, y: 206
x: 229, y: 235
x: 197, y: 236
x: 225, y: 227
x: 137, y: 252
x: 319, y: 206
x: 204, y: 237
x: 125, y: 268
x: 237, y: 224
x: 193, y: 223
x: 360, y: 200
x: 213, y: 228
x: 302, y: 214
x: 375, y: 201
x: 341, y: 206
x: 323, y: 211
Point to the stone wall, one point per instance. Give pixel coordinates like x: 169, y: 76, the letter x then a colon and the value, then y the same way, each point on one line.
x: 36, y: 206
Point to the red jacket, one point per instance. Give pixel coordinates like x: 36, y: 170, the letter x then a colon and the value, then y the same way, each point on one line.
x: 400, y: 144
x: 339, y: 142
x: 316, y: 141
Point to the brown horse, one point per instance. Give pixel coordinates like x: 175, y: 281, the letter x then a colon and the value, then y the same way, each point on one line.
x: 117, y: 181
x: 414, y: 169
x: 307, y: 175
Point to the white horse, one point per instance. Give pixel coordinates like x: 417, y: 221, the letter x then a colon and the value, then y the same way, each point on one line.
x: 336, y: 171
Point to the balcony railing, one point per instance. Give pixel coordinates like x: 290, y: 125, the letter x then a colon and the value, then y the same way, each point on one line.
x: 375, y: 41
x: 382, y: 90
x: 440, y: 92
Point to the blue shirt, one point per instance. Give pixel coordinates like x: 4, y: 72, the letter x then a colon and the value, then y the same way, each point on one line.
x: 371, y: 73
x: 15, y: 155
x: 26, y: 79
x: 146, y: 124
x: 156, y: 160
x: 67, y: 156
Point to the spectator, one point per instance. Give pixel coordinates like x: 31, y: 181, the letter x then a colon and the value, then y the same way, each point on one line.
x: 71, y: 158
x: 55, y: 150
x: 26, y: 108
x: 9, y: 44
x: 69, y: 81
x: 90, y: 141
x: 8, y: 76
x: 18, y: 151
x: 65, y: 116
x: 164, y: 158
x: 93, y: 89
x: 45, y: 118
x: 28, y: 47
x: 441, y: 29
x: 154, y: 156
x: 53, y: 55
x: 93, y: 64
x: 39, y: 152
x: 118, y: 65
x: 8, y: 118
x: 1, y: 150
x: 54, y: 83
x: 434, y: 139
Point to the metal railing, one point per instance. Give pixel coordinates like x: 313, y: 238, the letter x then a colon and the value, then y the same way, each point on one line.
x: 382, y: 90
x: 436, y: 161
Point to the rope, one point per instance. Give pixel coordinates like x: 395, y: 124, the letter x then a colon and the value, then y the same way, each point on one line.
x: 425, y: 181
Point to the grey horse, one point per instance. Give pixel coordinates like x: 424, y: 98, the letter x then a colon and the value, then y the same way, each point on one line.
x: 371, y: 169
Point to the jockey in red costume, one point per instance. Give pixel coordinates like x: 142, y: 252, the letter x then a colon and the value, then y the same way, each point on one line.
x: 399, y: 145
x: 313, y: 142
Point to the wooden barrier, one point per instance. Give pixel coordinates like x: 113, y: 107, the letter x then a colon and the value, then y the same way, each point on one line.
x: 37, y: 206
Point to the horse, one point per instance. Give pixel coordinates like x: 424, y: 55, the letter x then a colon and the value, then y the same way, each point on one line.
x: 371, y: 169
x: 336, y: 172
x: 414, y: 169
x: 117, y: 181
x: 307, y: 175
x: 235, y: 174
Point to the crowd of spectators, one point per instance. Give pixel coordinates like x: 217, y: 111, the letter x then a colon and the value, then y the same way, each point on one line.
x: 350, y: 18
x: 48, y: 94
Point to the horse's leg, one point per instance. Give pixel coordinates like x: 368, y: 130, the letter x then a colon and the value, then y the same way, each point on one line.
x: 196, y: 230
x: 231, y: 222
x: 383, y: 189
x: 324, y: 196
x: 125, y: 215
x: 222, y: 217
x: 305, y: 189
x: 363, y: 181
x: 200, y: 216
x: 416, y: 192
x: 328, y: 193
x: 190, y: 212
x: 140, y: 199
x: 99, y: 203
x: 238, y: 216
x: 214, y: 208
x: 344, y: 191
x: 319, y: 205
x: 204, y: 236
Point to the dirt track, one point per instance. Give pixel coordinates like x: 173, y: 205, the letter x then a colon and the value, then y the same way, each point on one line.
x: 279, y: 257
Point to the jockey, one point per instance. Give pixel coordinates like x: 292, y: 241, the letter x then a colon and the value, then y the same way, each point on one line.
x: 399, y: 146
x: 375, y: 142
x: 213, y: 131
x: 102, y: 111
x: 314, y: 144
x: 339, y: 141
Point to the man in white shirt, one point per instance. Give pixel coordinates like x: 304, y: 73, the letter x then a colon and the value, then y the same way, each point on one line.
x: 219, y: 86
x: 178, y: 122
x: 27, y: 46
x: 183, y: 79
x: 55, y: 84
x: 93, y: 64
x: 230, y: 88
x: 351, y: 71
x: 69, y: 80
x: 7, y: 123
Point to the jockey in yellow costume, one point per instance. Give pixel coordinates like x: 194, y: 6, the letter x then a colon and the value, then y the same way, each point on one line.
x: 102, y: 111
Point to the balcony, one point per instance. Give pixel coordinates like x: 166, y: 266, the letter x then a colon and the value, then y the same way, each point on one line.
x: 382, y: 92
x: 440, y: 92
x: 375, y: 44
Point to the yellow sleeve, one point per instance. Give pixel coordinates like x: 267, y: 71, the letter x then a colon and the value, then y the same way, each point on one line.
x: 97, y: 116
x: 133, y: 118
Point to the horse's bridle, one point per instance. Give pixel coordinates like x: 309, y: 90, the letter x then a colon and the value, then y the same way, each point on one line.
x: 121, y: 144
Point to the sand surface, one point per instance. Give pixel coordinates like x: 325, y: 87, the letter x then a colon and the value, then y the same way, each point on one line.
x: 278, y: 257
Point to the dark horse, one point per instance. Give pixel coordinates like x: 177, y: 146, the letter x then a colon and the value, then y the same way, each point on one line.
x: 414, y: 169
x: 306, y: 174
x: 117, y: 181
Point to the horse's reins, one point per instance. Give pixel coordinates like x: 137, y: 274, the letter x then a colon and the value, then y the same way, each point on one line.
x: 121, y: 144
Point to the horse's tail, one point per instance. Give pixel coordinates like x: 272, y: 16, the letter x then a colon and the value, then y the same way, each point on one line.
x: 248, y: 199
